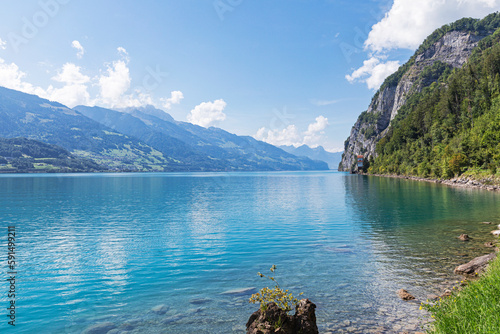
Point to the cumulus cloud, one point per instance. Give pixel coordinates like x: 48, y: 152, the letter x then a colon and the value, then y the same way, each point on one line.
x: 405, y: 26
x: 71, y: 86
x: 3, y: 44
x: 75, y: 89
x: 373, y: 72
x: 12, y: 77
x: 114, y: 84
x: 208, y: 113
x: 409, y: 22
x: 292, y: 136
x: 71, y: 74
x: 79, y: 48
x: 175, y: 98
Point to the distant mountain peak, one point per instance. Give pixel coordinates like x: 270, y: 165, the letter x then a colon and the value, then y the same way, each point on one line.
x: 149, y: 110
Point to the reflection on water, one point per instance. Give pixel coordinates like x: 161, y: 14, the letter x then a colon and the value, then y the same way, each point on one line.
x: 110, y: 248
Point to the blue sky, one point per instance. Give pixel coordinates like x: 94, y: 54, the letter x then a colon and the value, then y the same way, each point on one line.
x: 284, y: 71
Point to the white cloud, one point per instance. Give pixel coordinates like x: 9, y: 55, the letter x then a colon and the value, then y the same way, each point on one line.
x: 208, y: 113
x: 75, y: 90
x: 72, y: 88
x: 2, y: 44
x: 71, y: 74
x: 175, y: 98
x: 320, y: 124
x: 114, y: 84
x: 405, y: 26
x: 292, y: 136
x: 122, y: 51
x: 12, y: 77
x: 79, y: 48
x: 409, y: 22
x: 373, y: 72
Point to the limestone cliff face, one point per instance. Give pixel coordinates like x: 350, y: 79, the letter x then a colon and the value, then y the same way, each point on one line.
x: 452, y: 50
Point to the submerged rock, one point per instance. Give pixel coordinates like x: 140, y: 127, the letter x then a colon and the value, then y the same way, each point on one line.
x: 464, y: 237
x: 275, y: 320
x: 405, y: 295
x: 243, y: 291
x: 99, y: 328
x: 160, y: 309
x: 475, y: 266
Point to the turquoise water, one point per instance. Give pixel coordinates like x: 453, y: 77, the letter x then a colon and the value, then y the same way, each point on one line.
x: 110, y: 247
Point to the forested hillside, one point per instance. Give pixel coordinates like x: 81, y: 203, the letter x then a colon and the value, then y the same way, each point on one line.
x: 452, y: 126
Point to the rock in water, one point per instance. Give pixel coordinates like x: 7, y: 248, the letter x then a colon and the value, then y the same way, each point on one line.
x: 275, y: 320
x: 464, y: 237
x: 475, y: 266
x: 489, y: 244
x: 496, y: 232
x: 160, y: 309
x: 405, y: 295
x: 305, y: 317
x: 99, y: 328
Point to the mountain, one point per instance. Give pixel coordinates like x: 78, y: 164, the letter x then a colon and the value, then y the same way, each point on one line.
x: 25, y: 155
x: 318, y: 153
x: 28, y: 116
x: 196, y: 146
x: 139, y: 139
x: 431, y: 114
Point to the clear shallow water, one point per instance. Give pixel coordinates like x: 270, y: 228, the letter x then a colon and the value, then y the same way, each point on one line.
x: 110, y: 247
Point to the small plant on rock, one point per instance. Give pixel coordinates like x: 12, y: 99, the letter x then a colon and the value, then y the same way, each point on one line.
x: 283, y: 298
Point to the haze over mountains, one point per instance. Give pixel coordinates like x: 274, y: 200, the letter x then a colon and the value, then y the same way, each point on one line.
x: 139, y: 139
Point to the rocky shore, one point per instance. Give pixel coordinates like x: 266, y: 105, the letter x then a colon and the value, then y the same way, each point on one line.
x: 462, y: 182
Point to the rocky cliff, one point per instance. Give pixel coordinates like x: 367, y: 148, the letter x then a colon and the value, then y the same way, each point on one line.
x: 449, y: 50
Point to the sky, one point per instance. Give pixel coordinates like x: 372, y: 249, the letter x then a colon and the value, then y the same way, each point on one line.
x: 288, y: 72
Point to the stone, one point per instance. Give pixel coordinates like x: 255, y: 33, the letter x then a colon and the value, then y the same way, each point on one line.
x: 275, y: 320
x: 243, y: 291
x: 464, y: 237
x: 102, y: 328
x: 405, y: 295
x: 475, y: 266
x: 496, y: 232
x: 489, y: 244
x: 432, y: 297
x: 487, y: 223
x: 447, y: 293
x: 160, y: 309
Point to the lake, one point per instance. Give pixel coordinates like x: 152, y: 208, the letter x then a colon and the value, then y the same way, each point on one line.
x: 96, y: 248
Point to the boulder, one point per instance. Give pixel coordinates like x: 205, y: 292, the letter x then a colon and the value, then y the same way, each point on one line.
x: 496, y: 232
x: 464, y: 237
x: 475, y: 266
x: 275, y: 320
x: 489, y: 244
x: 405, y: 295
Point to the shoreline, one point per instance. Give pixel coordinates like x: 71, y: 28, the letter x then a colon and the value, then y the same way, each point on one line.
x: 455, y: 182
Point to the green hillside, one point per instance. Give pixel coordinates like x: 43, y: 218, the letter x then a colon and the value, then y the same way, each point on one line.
x: 451, y: 127
x: 27, y: 156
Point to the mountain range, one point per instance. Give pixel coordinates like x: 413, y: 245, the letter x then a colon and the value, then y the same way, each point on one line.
x: 139, y: 139
x: 318, y: 153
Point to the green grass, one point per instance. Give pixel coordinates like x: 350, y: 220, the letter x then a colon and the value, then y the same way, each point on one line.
x: 474, y: 309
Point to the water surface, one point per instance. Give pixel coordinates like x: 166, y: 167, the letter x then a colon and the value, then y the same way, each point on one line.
x: 95, y: 248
